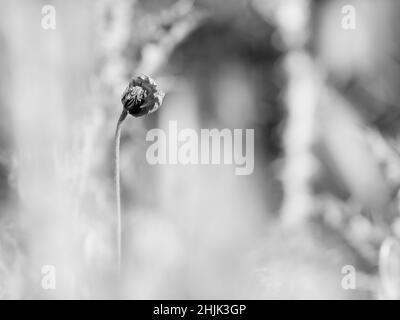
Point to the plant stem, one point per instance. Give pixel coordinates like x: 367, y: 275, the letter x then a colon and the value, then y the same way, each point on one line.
x: 118, y: 187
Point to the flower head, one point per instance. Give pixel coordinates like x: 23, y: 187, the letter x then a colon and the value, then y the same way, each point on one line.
x: 142, y: 96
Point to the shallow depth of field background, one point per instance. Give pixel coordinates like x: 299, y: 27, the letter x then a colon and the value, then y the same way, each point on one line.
x: 324, y: 103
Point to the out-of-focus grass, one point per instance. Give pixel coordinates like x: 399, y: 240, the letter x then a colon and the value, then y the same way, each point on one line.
x: 188, y: 231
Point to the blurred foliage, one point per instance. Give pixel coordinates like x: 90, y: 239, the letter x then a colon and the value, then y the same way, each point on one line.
x: 324, y: 105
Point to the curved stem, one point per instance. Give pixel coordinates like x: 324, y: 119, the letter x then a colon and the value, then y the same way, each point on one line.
x: 118, y: 186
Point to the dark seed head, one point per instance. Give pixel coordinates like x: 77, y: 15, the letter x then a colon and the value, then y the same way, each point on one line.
x: 142, y: 96
x: 134, y: 98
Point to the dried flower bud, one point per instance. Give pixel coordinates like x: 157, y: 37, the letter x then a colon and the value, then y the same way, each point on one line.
x: 142, y: 96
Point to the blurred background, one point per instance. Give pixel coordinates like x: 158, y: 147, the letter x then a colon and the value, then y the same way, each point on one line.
x: 316, y: 80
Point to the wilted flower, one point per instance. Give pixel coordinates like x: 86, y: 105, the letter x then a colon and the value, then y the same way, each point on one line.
x: 142, y: 96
